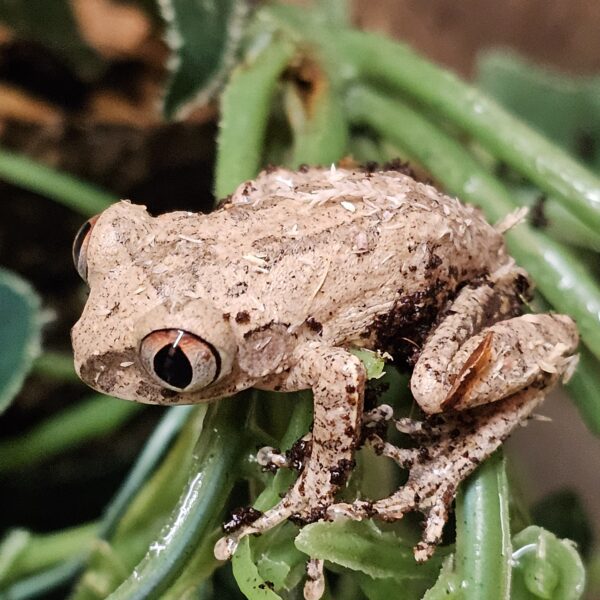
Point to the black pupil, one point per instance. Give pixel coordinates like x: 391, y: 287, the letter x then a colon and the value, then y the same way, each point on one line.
x: 79, y: 238
x: 172, y: 365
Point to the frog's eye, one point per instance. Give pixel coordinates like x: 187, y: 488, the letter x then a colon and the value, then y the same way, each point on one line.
x: 80, y: 245
x: 179, y: 360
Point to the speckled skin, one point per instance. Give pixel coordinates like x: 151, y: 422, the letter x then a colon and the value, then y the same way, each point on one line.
x: 291, y: 271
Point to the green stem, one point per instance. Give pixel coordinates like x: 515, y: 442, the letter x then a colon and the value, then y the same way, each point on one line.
x: 82, y: 197
x: 201, y: 502
x: 40, y: 584
x: 386, y: 62
x: 560, y: 224
x: 44, y: 582
x: 562, y: 278
x: 91, y: 418
x: 245, y: 107
x: 584, y: 389
x: 56, y: 366
x: 483, y: 546
x: 155, y: 448
x: 318, y: 123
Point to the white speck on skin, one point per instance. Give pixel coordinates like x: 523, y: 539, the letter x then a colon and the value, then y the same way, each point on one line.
x: 348, y: 205
x: 160, y: 269
x: 255, y: 260
x: 190, y: 239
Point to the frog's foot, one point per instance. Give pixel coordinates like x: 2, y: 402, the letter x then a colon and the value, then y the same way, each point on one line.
x: 442, y: 461
x: 297, y: 505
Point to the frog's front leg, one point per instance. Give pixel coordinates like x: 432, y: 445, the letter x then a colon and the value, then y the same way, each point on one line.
x: 337, y: 379
x: 485, y: 371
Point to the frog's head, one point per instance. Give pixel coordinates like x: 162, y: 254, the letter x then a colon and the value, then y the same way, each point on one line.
x: 142, y: 335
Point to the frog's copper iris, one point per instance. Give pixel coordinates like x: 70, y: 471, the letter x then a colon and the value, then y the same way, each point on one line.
x: 80, y: 245
x: 179, y: 360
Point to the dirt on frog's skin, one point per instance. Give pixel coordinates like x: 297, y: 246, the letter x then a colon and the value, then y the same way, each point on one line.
x: 239, y: 517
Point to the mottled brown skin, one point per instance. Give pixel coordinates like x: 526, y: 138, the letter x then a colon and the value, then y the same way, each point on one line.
x: 293, y: 270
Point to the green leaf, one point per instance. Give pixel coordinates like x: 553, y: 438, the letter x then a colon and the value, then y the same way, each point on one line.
x: 565, y: 108
x: 245, y: 571
x: 316, y: 116
x: 19, y: 334
x: 204, y: 36
x: 362, y: 546
x: 53, y: 25
x: 386, y: 589
x: 66, y: 189
x: 94, y: 417
x: 277, y: 558
x: 545, y: 567
x: 374, y: 362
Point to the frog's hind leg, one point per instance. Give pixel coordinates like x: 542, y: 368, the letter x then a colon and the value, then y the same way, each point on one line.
x: 438, y: 466
x: 337, y: 379
x: 480, y: 359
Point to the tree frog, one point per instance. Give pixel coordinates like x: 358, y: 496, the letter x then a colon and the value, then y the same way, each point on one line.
x: 275, y: 287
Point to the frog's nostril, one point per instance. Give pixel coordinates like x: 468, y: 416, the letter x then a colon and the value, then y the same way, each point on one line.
x: 179, y: 360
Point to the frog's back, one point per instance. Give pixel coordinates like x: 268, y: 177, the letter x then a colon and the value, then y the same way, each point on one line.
x: 352, y: 254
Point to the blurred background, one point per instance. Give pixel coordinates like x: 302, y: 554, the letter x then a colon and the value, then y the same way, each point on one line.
x: 80, y: 90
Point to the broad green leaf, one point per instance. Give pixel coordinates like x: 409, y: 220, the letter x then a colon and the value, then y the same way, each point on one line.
x: 565, y: 108
x: 245, y: 571
x: 545, y: 567
x: 204, y: 36
x: 20, y: 325
x: 374, y: 362
x: 387, y: 589
x: 53, y: 25
x: 362, y: 546
x: 277, y: 559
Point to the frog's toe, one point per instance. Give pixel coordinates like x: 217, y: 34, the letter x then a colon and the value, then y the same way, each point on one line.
x: 436, y: 518
x: 258, y: 523
x: 431, y: 429
x: 272, y: 459
x: 314, y: 587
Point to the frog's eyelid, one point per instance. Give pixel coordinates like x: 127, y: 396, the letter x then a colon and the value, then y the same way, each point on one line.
x: 180, y: 360
x: 80, y: 245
